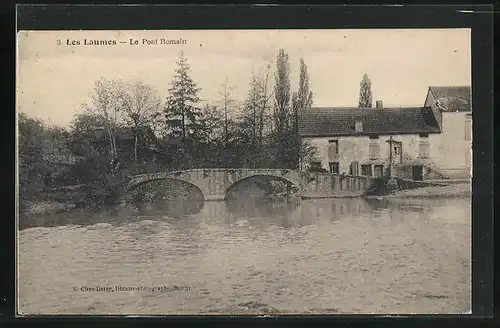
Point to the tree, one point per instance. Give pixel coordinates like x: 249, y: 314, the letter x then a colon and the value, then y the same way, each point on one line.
x: 303, y: 98
x: 282, y: 108
x: 253, y: 125
x: 181, y: 111
x: 365, y: 92
x: 248, y: 123
x: 265, y: 95
x: 30, y: 157
x: 40, y: 146
x: 89, y: 135
x: 282, y: 92
x: 107, y: 100
x: 227, y: 105
x: 141, y: 107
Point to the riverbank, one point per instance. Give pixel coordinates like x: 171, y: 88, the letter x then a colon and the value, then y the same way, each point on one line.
x: 45, y: 207
x: 461, y: 190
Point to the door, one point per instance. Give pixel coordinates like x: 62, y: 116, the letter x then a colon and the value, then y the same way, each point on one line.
x: 417, y: 172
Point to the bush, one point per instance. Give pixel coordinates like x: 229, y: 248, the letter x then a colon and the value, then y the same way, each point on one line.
x: 104, y: 191
x: 103, y: 186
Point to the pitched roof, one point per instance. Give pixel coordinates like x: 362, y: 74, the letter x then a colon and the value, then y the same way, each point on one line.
x: 325, y: 122
x: 453, y: 98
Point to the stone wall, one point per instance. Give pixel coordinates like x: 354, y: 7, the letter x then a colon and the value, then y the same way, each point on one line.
x: 325, y: 185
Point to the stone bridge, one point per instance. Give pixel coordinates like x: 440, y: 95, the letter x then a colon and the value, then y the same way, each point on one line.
x: 214, y: 184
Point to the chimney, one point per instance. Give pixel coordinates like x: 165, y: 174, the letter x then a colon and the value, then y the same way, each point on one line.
x: 379, y: 104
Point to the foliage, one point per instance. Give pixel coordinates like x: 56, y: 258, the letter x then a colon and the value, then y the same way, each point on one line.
x: 182, y: 112
x: 303, y: 98
x: 282, y: 110
x: 89, y: 136
x: 36, y: 142
x: 140, y: 106
x: 107, y: 101
x: 365, y: 92
x: 103, y: 186
x: 30, y: 137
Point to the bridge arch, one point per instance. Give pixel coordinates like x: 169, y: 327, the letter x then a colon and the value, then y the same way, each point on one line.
x: 261, y: 178
x: 135, y: 185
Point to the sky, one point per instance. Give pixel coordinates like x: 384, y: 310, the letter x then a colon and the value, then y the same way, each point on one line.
x: 54, y: 80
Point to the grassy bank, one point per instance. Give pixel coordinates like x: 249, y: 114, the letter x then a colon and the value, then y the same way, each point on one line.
x: 453, y: 190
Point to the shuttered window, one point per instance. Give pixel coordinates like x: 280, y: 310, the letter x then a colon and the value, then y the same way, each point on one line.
x: 374, y: 149
x: 424, y: 148
x: 334, y: 167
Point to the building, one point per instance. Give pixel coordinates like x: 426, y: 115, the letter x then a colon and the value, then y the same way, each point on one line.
x: 429, y: 142
x: 452, y: 149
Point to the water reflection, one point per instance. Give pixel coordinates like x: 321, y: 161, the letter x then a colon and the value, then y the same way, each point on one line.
x: 255, y: 208
x: 255, y: 211
x: 163, y: 210
x: 173, y: 208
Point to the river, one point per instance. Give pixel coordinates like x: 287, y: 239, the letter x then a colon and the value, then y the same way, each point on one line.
x: 333, y: 256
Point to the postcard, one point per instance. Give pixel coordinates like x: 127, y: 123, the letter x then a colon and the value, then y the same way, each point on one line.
x: 244, y: 172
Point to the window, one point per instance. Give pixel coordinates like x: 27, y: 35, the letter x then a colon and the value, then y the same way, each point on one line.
x: 378, y: 170
x: 366, y: 169
x: 373, y: 136
x: 468, y: 129
x: 334, y: 167
x: 396, y: 150
x: 424, y: 149
x: 333, y: 147
x: 315, y: 164
x: 424, y: 135
x: 374, y: 150
x: 358, y: 126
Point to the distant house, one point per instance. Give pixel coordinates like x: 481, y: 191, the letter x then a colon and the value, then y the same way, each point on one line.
x: 453, y: 148
x: 421, y: 142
